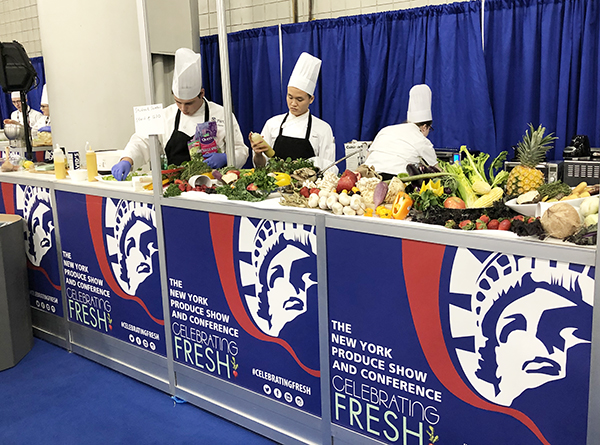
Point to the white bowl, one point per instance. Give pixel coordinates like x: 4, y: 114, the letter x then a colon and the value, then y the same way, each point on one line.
x: 78, y: 175
x: 539, y: 208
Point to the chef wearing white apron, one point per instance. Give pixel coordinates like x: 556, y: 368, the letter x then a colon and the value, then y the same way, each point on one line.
x: 397, y: 146
x: 180, y: 120
x: 297, y: 133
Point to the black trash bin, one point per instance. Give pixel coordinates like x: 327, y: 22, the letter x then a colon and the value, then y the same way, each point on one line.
x: 16, y: 333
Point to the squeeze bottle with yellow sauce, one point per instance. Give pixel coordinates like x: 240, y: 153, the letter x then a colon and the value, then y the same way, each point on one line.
x: 92, y: 164
x: 60, y: 168
x: 257, y: 137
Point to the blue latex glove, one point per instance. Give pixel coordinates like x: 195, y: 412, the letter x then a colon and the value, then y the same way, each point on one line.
x: 46, y: 128
x: 216, y: 160
x: 120, y: 170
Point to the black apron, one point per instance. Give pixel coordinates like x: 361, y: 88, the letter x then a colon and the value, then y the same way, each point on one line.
x: 288, y: 147
x: 177, y: 150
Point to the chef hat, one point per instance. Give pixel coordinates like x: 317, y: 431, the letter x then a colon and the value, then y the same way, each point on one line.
x: 187, y: 76
x: 419, y: 104
x: 305, y: 74
x: 15, y: 95
x: 44, y: 99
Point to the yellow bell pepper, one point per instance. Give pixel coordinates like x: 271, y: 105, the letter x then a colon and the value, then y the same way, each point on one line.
x: 402, y: 205
x: 436, y: 187
x: 282, y: 179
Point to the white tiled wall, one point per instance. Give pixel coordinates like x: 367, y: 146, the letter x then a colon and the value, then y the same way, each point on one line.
x: 19, y: 21
x: 19, y: 18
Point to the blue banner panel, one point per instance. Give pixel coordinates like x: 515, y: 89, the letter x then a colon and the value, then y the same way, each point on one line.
x: 35, y: 206
x: 445, y: 345
x: 110, y: 259
x: 243, y: 298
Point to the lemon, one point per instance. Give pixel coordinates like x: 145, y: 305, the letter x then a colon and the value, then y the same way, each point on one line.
x: 27, y: 165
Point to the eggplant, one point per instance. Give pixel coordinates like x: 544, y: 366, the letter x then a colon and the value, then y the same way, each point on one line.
x: 413, y: 170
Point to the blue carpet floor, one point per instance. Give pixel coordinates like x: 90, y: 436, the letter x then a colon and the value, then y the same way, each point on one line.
x: 54, y: 397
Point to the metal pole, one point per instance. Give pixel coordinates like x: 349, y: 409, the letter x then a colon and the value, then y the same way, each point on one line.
x: 225, y: 82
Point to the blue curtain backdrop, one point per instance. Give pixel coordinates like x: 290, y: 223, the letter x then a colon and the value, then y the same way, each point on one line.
x: 33, y: 96
x: 540, y: 65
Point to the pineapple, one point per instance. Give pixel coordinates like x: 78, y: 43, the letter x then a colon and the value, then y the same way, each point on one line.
x: 530, y: 152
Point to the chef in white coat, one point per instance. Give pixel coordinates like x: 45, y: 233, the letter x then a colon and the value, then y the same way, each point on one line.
x: 16, y: 116
x: 180, y: 120
x: 43, y: 123
x: 397, y: 146
x: 297, y: 133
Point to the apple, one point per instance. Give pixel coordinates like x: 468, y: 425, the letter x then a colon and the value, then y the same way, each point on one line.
x: 454, y: 202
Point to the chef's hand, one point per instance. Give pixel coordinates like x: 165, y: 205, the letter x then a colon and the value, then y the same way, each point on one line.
x: 258, y: 147
x: 216, y: 160
x: 121, y: 169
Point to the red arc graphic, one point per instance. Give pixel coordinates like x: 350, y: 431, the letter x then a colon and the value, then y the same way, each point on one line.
x: 423, y: 297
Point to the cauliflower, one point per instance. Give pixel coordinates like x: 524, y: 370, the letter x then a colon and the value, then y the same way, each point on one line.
x: 367, y: 187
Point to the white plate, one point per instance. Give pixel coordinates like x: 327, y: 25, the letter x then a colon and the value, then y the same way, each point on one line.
x: 539, y: 208
x: 102, y: 180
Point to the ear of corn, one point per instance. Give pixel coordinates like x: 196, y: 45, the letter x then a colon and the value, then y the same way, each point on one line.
x: 481, y: 187
x: 489, y: 198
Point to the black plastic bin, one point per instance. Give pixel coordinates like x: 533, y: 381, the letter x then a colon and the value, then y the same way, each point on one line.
x: 16, y: 333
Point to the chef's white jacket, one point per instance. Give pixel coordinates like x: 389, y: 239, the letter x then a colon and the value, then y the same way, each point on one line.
x: 397, y: 146
x: 321, y: 135
x: 34, y: 116
x: 138, y: 147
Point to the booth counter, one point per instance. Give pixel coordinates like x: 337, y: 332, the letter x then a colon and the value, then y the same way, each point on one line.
x: 308, y: 327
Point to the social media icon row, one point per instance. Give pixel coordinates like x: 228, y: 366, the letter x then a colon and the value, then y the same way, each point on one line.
x: 299, y: 401
x: 142, y: 342
x: 46, y: 306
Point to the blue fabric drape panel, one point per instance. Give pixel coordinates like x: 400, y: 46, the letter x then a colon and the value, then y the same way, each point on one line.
x: 255, y: 78
x: 370, y: 63
x: 542, y: 65
x: 254, y: 75
x: 33, y: 96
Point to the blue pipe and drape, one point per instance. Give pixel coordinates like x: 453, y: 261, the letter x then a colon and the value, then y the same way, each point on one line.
x: 536, y: 63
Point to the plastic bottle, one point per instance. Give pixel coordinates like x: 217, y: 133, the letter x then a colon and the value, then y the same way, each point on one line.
x: 257, y: 137
x: 92, y: 163
x: 60, y: 168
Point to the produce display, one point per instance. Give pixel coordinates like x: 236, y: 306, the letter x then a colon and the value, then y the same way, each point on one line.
x: 466, y: 195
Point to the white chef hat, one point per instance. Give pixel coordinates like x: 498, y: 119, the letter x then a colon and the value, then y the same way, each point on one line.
x: 419, y: 104
x: 305, y: 74
x: 15, y: 95
x: 187, y: 76
x: 44, y: 99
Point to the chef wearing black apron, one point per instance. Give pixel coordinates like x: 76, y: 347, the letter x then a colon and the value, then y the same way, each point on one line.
x: 181, y: 120
x: 298, y: 134
x: 177, y: 150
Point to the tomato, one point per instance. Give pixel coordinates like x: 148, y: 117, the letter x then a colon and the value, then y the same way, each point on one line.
x: 504, y: 224
x: 454, y: 202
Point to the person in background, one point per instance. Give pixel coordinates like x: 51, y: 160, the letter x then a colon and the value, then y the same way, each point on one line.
x: 16, y: 116
x: 180, y: 121
x: 297, y: 133
x: 43, y: 123
x: 396, y: 146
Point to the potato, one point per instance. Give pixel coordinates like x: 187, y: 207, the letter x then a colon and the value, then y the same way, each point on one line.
x: 561, y: 220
